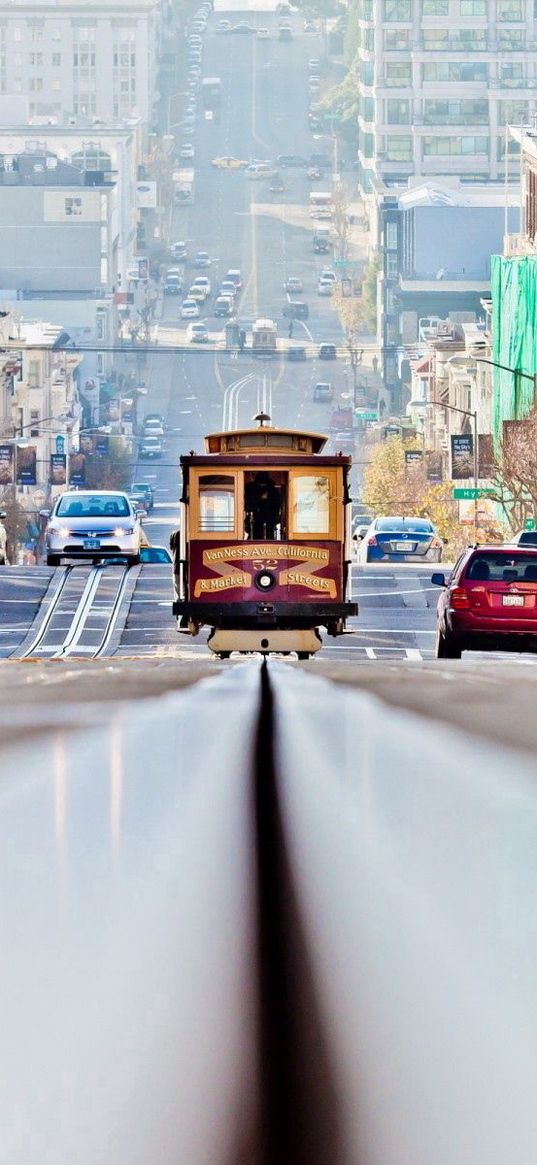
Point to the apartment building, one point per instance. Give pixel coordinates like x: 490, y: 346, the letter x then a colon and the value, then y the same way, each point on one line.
x: 81, y: 58
x: 439, y: 80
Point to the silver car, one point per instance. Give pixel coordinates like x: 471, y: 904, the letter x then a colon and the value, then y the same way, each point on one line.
x: 92, y: 524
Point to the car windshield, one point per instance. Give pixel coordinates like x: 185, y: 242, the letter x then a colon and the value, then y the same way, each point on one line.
x: 495, y: 566
x: 94, y: 506
x: 412, y: 525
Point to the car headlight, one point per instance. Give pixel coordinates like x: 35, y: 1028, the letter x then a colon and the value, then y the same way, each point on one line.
x: 120, y: 530
x: 61, y: 531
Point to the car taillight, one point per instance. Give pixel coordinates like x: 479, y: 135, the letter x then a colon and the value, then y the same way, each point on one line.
x: 459, y: 598
x: 436, y: 543
x: 372, y: 541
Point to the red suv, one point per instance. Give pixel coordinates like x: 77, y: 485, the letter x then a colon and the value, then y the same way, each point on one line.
x: 489, y: 602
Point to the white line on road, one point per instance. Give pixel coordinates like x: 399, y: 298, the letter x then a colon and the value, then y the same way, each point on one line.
x: 413, y: 653
x: 370, y: 653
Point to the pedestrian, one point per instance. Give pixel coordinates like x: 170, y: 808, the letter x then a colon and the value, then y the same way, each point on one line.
x: 375, y: 363
x: 242, y: 339
x: 3, y: 541
x: 290, y: 329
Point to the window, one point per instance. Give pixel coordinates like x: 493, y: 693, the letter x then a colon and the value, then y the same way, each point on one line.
x: 399, y: 148
x: 473, y: 7
x: 398, y: 10
x: 310, y: 504
x: 33, y: 374
x: 56, y: 85
x: 36, y: 58
x: 511, y: 38
x: 511, y: 74
x: 56, y: 60
x: 458, y: 146
x: 435, y: 8
x: 398, y: 74
x: 455, y: 71
x: 510, y: 10
x: 396, y: 39
x: 391, y: 236
x: 398, y: 112
x: 392, y: 269
x: 216, y: 504
x: 73, y: 206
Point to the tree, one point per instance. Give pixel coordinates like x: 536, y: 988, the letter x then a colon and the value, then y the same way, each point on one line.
x: 370, y: 293
x: 514, y: 471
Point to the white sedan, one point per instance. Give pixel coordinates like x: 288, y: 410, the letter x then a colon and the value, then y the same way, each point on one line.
x: 189, y: 309
x: 92, y: 524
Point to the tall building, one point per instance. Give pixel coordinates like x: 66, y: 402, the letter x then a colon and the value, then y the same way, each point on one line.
x: 438, y: 82
x: 80, y: 58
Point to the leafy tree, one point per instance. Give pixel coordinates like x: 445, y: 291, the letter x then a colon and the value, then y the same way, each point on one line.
x: 15, y: 521
x: 370, y: 293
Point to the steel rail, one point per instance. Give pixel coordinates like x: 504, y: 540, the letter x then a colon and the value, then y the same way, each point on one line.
x: 49, y: 613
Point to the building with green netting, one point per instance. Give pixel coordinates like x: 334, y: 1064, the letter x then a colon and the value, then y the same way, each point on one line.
x: 514, y: 339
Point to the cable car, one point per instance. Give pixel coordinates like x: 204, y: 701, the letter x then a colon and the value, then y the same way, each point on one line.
x: 262, y: 556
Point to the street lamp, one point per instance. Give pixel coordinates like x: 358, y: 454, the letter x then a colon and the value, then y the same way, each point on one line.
x: 517, y: 373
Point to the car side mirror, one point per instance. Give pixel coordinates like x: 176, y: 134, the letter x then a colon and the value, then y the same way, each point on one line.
x: 357, y: 537
x: 139, y: 513
x: 438, y: 579
x: 42, y: 514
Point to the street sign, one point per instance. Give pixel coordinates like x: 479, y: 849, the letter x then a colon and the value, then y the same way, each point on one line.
x: 343, y: 262
x: 60, y: 444
x: 363, y: 415
x: 530, y: 524
x: 470, y: 494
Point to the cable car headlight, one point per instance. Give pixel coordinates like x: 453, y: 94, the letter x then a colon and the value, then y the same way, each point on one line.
x: 265, y: 580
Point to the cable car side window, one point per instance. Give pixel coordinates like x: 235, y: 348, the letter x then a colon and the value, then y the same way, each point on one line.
x: 311, y: 504
x: 216, y: 504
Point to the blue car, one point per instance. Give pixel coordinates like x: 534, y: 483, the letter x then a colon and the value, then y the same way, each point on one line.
x: 400, y: 540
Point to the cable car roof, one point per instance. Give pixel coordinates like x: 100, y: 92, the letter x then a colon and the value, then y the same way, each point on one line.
x: 265, y: 438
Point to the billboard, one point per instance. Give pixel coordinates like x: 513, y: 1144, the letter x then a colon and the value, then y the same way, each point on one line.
x: 146, y: 195
x: 6, y: 464
x: 413, y: 456
x: 58, y: 469
x: 77, y: 469
x: 26, y: 465
x: 462, y: 456
x: 434, y: 466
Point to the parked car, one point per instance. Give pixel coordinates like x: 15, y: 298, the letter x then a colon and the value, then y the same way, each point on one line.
x: 156, y: 419
x: 155, y: 556
x: 327, y: 352
x: 92, y: 524
x: 189, y: 309
x: 153, y: 428
x: 489, y: 602
x: 399, y: 539
x: 323, y: 391
x: 296, y: 310
x: 143, y: 491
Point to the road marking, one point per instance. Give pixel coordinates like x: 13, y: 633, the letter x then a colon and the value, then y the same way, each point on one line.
x: 413, y: 653
x: 370, y: 652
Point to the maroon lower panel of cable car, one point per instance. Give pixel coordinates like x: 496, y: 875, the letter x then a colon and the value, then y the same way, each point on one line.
x: 245, y: 572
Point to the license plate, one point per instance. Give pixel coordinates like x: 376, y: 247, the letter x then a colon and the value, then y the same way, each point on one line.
x: 403, y: 546
x: 92, y: 544
x: 513, y: 600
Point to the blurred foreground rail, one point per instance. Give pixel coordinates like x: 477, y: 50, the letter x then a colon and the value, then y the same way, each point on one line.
x: 265, y: 920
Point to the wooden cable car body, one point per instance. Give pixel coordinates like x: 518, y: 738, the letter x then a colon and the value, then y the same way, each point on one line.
x: 263, y: 554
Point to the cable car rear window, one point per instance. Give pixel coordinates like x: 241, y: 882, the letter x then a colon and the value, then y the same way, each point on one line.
x: 216, y: 504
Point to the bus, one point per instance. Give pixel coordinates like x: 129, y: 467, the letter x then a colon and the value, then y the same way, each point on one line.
x: 264, y: 333
x: 211, y: 91
x: 183, y: 187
